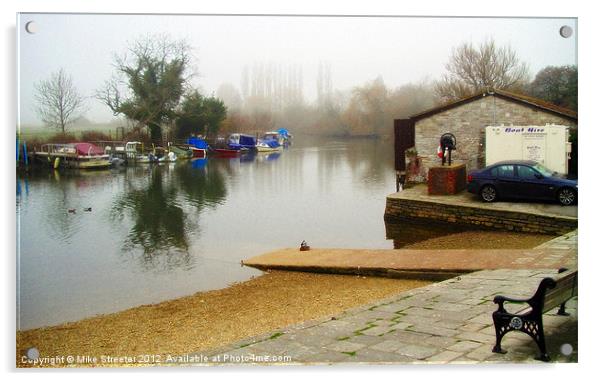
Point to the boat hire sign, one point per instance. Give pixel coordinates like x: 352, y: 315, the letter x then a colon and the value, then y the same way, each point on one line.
x: 522, y: 130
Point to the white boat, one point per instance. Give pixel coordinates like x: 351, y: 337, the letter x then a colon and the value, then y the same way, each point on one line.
x: 134, y: 153
x: 268, y: 146
x: 171, y: 157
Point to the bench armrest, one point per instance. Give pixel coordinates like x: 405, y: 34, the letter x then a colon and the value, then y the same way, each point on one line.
x: 500, y: 300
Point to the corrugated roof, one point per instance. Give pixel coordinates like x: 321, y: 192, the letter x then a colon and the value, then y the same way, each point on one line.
x: 513, y: 97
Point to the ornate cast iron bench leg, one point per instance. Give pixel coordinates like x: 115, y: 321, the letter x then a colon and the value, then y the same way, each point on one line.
x: 500, y: 323
x: 534, y: 328
x: 505, y: 322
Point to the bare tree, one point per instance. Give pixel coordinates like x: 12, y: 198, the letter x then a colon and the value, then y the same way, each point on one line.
x: 59, y: 102
x: 365, y: 114
x: 471, y: 70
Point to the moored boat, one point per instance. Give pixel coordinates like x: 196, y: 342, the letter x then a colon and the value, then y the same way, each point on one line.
x: 74, y: 155
x: 134, y: 153
x: 269, y: 145
x: 169, y: 157
x: 274, y: 135
x: 198, y: 147
x: 239, y: 141
x: 182, y: 153
x: 224, y: 152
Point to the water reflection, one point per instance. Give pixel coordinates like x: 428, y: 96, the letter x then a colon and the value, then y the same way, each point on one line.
x: 198, y: 163
x: 160, y: 212
x: 405, y: 232
x: 24, y: 186
x: 268, y: 156
x: 158, y: 220
x: 368, y: 162
x: 248, y: 157
x: 203, y: 186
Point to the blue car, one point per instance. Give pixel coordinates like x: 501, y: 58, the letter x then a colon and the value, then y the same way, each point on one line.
x: 521, y: 180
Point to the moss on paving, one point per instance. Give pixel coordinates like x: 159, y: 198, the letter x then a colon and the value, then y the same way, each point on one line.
x: 275, y: 335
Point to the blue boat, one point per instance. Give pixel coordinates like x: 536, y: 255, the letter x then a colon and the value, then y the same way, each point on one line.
x: 198, y: 147
x: 241, y: 141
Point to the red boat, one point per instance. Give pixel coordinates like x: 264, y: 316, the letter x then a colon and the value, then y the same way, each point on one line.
x: 199, y: 153
x: 198, y: 147
x: 225, y: 152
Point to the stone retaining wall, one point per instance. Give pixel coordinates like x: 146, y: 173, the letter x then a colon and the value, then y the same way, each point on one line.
x: 397, y: 208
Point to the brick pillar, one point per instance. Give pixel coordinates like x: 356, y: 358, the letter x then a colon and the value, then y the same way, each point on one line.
x: 446, y: 179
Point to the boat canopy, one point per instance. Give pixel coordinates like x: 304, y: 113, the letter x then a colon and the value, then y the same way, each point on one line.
x: 88, y: 149
x: 197, y: 142
x: 283, y: 132
x: 272, y: 143
x: 237, y: 141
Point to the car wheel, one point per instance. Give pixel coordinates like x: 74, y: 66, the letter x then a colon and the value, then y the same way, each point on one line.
x: 488, y: 193
x: 567, y: 196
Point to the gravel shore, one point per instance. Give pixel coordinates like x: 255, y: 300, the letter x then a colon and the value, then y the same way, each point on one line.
x: 211, y: 319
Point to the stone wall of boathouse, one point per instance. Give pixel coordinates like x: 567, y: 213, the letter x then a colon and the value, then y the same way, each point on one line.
x: 467, y: 122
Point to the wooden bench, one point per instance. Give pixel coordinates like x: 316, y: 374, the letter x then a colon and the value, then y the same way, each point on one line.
x: 552, y: 292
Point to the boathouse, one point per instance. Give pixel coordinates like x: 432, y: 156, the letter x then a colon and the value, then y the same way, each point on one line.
x: 417, y: 138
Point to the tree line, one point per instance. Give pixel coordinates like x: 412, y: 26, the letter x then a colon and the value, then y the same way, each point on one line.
x: 151, y: 88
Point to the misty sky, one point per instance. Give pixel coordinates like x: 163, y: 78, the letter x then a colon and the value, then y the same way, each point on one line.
x: 358, y: 49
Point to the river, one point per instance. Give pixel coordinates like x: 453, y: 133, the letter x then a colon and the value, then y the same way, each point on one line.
x: 157, y: 232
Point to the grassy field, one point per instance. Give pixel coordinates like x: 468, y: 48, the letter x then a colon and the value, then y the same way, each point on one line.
x: 26, y: 130
x: 38, y: 134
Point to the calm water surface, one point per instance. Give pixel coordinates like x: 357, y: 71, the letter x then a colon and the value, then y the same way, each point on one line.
x: 164, y: 231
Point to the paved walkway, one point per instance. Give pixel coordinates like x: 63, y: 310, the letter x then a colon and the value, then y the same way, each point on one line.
x: 446, y: 322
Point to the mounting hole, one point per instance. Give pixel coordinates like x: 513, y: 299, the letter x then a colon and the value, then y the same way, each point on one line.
x: 31, y: 27
x: 33, y: 353
x: 566, y: 349
x: 566, y: 31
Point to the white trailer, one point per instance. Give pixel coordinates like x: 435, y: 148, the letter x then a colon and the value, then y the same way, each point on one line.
x: 548, y: 145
